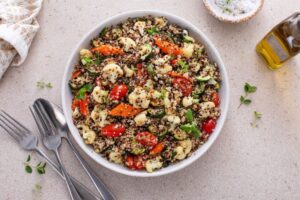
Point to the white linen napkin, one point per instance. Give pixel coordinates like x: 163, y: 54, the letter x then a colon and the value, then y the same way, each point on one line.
x: 18, y: 26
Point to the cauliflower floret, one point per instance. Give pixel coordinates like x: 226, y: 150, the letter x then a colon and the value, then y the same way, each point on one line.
x: 99, y: 116
x: 88, y: 135
x: 99, y: 95
x: 112, y: 72
x: 163, y: 60
x: 141, y: 119
x: 187, y: 101
x: 183, y: 149
x: 139, y: 98
x: 127, y: 42
x: 140, y: 25
x: 164, y: 69
x: 207, y: 105
x: 149, y: 84
x: 180, y: 155
x: 188, y: 50
x: 153, y: 164
x: 173, y: 121
x: 76, y: 113
x: 115, y: 157
x: 128, y: 72
x: 160, y: 22
x: 85, y: 53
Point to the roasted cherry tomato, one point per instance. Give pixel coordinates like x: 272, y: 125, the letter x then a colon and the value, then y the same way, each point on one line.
x: 76, y: 74
x: 216, y: 99
x: 157, y: 149
x: 146, y: 139
x: 82, y: 104
x: 108, y: 50
x: 141, y: 74
x: 118, y: 92
x: 209, y: 125
x: 134, y: 162
x: 167, y: 47
x: 174, y: 61
x: 113, y: 130
x: 184, y: 84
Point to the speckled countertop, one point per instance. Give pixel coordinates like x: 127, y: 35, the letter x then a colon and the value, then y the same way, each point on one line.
x: 244, y: 163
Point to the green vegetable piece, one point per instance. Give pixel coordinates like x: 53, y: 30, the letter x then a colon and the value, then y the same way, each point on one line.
x: 188, y: 39
x: 103, y: 32
x: 198, y: 90
x: 81, y: 93
x: 249, y: 88
x: 86, y: 60
x: 257, y: 115
x: 150, y: 70
x: 28, y: 169
x: 184, y: 66
x: 189, y: 115
x: 203, y: 78
x: 191, y: 128
x: 156, y: 113
x: 245, y: 101
x: 152, y: 31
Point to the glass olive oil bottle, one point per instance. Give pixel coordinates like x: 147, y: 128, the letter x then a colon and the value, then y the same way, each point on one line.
x: 281, y: 43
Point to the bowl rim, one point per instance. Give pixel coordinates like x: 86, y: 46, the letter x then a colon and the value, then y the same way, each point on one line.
x: 230, y: 19
x: 181, y: 164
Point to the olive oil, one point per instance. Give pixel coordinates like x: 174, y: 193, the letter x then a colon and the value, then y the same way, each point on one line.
x: 281, y: 43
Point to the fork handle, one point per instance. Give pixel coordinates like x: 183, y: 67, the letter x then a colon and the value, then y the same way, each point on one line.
x: 84, y: 192
x: 73, y: 192
x: 100, y: 186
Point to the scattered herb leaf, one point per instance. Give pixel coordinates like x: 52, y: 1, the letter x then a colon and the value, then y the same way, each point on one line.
x: 42, y: 85
x: 184, y: 66
x: 257, y: 116
x: 249, y: 88
x: 81, y: 93
x: 38, y: 187
x: 189, y: 116
x: 40, y: 168
x: 28, y: 158
x: 28, y: 169
x: 152, y: 31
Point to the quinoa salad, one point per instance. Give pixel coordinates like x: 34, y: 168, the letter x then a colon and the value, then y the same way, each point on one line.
x: 145, y: 94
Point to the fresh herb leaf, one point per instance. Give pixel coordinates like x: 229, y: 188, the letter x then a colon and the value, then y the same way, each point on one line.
x: 28, y: 169
x: 81, y: 93
x: 257, y: 115
x: 86, y: 60
x: 40, y: 168
x: 103, y: 32
x: 249, y: 88
x: 163, y: 93
x: 245, y: 101
x: 189, y: 116
x: 184, y: 66
x: 38, y: 187
x: 152, y: 31
x: 28, y: 158
x: 191, y: 128
x: 42, y: 85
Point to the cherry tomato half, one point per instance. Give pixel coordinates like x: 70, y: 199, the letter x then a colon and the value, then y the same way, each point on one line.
x: 209, y: 125
x: 118, y: 92
x: 184, y: 84
x: 134, y: 162
x: 146, y: 139
x: 174, y: 61
x: 82, y: 104
x: 216, y: 99
x: 113, y: 130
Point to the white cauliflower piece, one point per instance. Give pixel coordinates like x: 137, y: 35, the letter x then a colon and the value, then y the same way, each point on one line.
x: 180, y: 155
x: 139, y: 98
x: 187, y: 101
x: 128, y: 72
x: 88, y: 135
x: 163, y: 60
x: 141, y: 119
x: 99, y: 116
x: 140, y: 26
x: 188, y: 50
x: 112, y: 72
x: 163, y: 69
x: 153, y: 164
x: 115, y: 157
x: 160, y: 22
x: 127, y: 42
x: 85, y: 53
x: 99, y: 95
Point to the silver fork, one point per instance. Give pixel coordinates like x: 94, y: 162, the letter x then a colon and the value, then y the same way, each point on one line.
x: 28, y: 141
x: 52, y: 141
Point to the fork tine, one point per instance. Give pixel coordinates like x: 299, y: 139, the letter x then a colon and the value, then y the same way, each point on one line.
x: 9, y: 130
x: 17, y: 124
x: 9, y: 124
x: 37, y: 121
x: 45, y: 118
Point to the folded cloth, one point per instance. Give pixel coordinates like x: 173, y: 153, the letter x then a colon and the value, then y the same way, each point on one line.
x: 18, y: 26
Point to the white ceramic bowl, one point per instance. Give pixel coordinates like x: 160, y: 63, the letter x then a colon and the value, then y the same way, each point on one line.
x: 216, y: 12
x: 67, y: 96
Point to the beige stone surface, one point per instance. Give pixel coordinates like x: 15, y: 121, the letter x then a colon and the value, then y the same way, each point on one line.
x: 244, y: 163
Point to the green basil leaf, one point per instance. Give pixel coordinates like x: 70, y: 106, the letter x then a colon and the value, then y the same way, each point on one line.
x: 189, y: 115
x: 81, y: 93
x: 152, y: 31
x: 28, y: 169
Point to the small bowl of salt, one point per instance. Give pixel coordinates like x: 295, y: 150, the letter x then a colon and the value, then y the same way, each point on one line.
x: 233, y: 11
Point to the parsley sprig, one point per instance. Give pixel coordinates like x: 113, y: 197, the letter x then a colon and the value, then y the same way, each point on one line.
x: 248, y: 88
x: 257, y: 116
x: 191, y: 126
x: 40, y: 167
x: 42, y: 85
